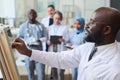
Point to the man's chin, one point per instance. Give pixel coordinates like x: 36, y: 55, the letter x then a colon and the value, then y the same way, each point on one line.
x: 93, y: 39
x: 89, y: 39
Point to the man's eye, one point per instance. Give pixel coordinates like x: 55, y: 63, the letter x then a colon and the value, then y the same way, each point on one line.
x: 92, y: 22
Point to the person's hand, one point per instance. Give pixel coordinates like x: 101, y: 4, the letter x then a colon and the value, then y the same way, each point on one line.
x: 69, y: 44
x: 61, y: 39
x: 49, y: 43
x: 21, y: 47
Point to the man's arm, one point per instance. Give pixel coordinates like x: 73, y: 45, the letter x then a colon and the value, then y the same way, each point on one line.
x: 64, y: 59
x: 117, y: 77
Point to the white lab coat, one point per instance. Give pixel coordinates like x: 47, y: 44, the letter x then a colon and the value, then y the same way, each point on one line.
x: 45, y: 21
x: 58, y: 30
x: 105, y: 65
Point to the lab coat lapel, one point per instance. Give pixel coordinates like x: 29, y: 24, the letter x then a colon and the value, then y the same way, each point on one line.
x: 92, y: 61
x: 104, y: 57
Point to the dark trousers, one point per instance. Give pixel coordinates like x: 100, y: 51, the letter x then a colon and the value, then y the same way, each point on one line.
x: 56, y: 74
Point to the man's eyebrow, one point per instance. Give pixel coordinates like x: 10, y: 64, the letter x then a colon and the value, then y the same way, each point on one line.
x: 92, y: 20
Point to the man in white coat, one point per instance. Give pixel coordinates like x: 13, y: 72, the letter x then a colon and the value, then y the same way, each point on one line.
x: 47, y: 21
x: 104, y: 64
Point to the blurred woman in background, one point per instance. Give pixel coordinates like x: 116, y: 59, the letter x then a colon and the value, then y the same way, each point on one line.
x: 76, y: 39
x: 59, y: 33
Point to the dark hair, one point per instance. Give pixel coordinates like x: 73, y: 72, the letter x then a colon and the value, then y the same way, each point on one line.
x: 52, y: 6
x: 32, y: 10
x: 59, y: 13
x: 111, y: 18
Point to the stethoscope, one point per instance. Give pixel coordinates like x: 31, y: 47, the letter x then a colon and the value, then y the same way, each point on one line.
x: 30, y: 31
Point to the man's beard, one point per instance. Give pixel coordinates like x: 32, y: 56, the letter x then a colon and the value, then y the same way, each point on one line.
x: 94, y: 37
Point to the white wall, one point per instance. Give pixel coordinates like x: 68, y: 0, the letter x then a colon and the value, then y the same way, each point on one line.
x: 7, y: 11
x: 2, y: 8
x: 88, y: 6
x: 7, y: 8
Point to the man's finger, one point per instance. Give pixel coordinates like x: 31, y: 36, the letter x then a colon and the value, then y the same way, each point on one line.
x: 16, y: 44
x: 19, y: 40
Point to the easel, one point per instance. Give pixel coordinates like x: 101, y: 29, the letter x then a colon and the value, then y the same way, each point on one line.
x: 7, y: 62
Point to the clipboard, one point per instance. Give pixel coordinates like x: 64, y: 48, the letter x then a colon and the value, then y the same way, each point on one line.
x: 54, y: 39
x: 68, y: 47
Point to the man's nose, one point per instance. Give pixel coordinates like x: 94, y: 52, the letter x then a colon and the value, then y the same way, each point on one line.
x: 87, y: 25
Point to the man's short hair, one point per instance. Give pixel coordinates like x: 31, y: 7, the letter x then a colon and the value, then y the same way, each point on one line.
x: 32, y: 10
x: 52, y: 6
x: 112, y: 16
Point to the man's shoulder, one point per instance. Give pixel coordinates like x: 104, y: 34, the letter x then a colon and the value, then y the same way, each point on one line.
x: 45, y: 18
x: 24, y: 24
x: 115, y: 63
x: 85, y: 46
x: 116, y: 59
x: 38, y: 23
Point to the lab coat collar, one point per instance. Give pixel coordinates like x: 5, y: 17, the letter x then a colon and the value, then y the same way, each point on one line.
x: 103, y: 55
x: 48, y: 17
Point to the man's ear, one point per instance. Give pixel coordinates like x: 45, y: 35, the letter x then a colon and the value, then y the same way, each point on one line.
x: 107, y: 30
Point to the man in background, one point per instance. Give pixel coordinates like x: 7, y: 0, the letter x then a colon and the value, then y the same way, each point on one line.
x: 33, y: 33
x: 47, y: 21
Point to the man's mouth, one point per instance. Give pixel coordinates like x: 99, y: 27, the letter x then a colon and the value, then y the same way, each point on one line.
x: 87, y: 32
